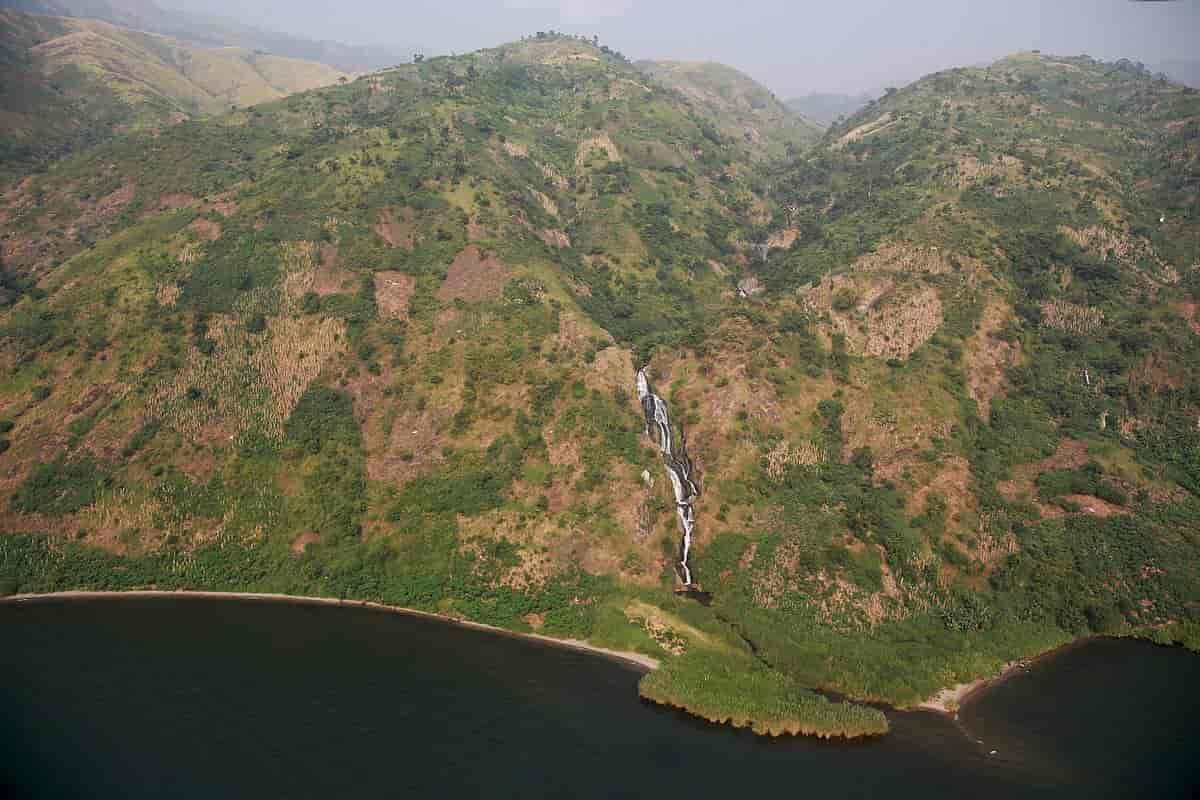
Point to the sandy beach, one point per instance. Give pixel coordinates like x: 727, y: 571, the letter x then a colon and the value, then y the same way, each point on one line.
x: 951, y: 699
x: 638, y: 659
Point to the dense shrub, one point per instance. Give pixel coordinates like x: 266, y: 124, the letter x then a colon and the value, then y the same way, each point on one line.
x: 60, y: 487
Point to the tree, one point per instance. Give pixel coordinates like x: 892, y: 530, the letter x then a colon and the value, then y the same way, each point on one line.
x: 418, y: 58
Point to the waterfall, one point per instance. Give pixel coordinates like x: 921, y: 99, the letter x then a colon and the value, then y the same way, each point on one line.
x: 678, y: 464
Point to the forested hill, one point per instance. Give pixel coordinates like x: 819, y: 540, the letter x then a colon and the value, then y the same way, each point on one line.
x: 741, y: 108
x: 937, y: 373
x: 68, y: 83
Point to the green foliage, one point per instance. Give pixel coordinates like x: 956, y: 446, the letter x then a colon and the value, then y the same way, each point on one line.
x: 468, y: 484
x: 1086, y: 480
x: 325, y: 436
x: 142, y: 437
x: 60, y: 487
x: 737, y: 689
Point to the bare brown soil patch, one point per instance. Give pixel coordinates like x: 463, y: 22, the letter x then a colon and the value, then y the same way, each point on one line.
x: 599, y: 144
x: 1071, y: 454
x: 473, y: 277
x: 612, y: 369
x: 1158, y: 370
x: 223, y: 204
x: 516, y: 150
x: 971, y: 170
x: 555, y: 238
x: 783, y: 240
x: 89, y: 398
x: 301, y: 542
x: 548, y: 205
x: 206, y: 229
x: 1188, y: 309
x: 987, y: 357
x: 396, y: 232
x: 883, y: 121
x: 1089, y: 504
x: 104, y: 210
x: 412, y: 446
x: 953, y: 483
x: 393, y: 291
x: 329, y: 277
x: 173, y: 202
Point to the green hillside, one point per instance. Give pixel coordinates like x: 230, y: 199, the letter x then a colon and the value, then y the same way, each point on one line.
x: 937, y: 374
x: 203, y: 30
x: 741, y: 109
x: 71, y: 82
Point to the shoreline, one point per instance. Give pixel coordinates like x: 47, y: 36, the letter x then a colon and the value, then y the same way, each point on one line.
x: 949, y: 701
x: 639, y: 660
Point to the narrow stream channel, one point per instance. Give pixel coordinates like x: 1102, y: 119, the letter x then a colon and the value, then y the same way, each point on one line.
x: 679, y: 468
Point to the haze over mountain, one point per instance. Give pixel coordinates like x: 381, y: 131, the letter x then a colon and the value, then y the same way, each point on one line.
x: 824, y: 108
x: 72, y: 82
x: 194, y: 23
x: 793, y: 48
x: 545, y: 338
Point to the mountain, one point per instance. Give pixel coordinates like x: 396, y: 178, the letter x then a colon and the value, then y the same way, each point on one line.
x: 1184, y: 71
x: 738, y: 106
x: 826, y: 108
x: 70, y: 82
x: 923, y: 397
x: 210, y: 31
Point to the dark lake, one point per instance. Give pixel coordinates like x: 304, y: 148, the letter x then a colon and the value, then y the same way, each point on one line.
x: 201, y: 698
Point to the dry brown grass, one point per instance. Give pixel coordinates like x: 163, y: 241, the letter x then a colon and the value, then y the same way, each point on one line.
x: 248, y: 381
x: 1131, y: 252
x: 167, y: 294
x: 516, y: 150
x: 987, y: 357
x: 548, y: 205
x: 971, y: 171
x: 555, y: 238
x: 874, y: 126
x: 600, y: 144
x: 295, y: 352
x: 1072, y: 318
x: 299, y: 262
x: 896, y: 328
x: 784, y: 456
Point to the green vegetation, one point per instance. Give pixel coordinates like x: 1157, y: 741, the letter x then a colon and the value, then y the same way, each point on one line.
x: 746, y: 694
x: 59, y: 487
x: 88, y: 79
x: 379, y: 341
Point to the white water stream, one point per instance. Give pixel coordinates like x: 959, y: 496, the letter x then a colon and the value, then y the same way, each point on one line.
x: 679, y: 467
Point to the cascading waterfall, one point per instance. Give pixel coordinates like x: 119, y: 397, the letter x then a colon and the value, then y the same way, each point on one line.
x: 679, y: 467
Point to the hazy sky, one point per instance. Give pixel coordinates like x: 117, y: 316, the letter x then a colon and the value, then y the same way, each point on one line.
x: 793, y: 46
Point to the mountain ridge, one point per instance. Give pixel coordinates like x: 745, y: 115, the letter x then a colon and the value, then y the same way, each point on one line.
x: 72, y: 81
x: 212, y: 31
x: 937, y: 372
x: 740, y: 106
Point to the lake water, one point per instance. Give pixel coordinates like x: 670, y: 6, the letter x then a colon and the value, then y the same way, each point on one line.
x: 201, y: 698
